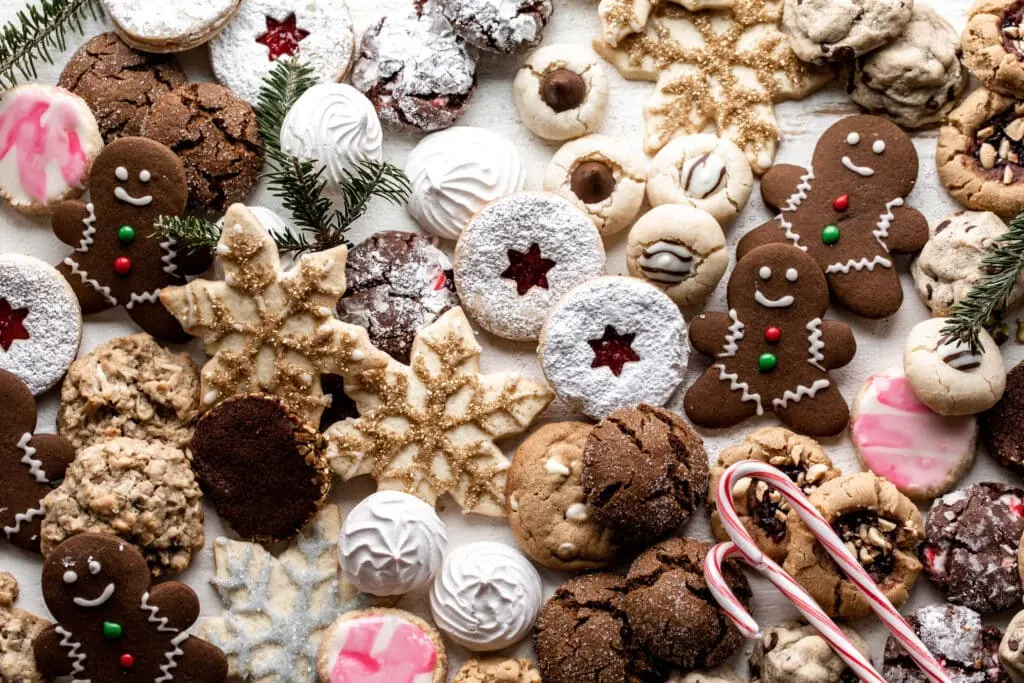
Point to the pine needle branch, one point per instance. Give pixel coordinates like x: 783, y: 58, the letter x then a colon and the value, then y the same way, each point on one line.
x: 986, y: 301
x: 192, y: 233
x: 35, y: 32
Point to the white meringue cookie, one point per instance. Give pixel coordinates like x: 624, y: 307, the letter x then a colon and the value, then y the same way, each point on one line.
x: 391, y: 543
x: 334, y: 124
x: 487, y: 596
x: 455, y: 172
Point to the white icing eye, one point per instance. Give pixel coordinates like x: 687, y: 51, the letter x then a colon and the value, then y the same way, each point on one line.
x: 792, y: 275
x: 144, y: 175
x: 94, y: 567
x: 765, y: 272
x: 852, y: 139
x: 121, y: 173
x: 70, y: 576
x: 878, y: 147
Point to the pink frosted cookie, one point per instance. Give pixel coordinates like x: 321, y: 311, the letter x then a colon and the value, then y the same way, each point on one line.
x: 381, y: 646
x: 518, y: 256
x: 318, y: 32
x: 897, y: 437
x: 48, y: 140
x: 613, y: 342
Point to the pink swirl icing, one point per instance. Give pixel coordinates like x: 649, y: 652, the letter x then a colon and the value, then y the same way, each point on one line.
x: 382, y: 649
x: 42, y: 130
x: 901, y: 439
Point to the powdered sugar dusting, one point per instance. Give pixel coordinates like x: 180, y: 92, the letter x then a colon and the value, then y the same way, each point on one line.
x: 179, y: 19
x: 507, y: 26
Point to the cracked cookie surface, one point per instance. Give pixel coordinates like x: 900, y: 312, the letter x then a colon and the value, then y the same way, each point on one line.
x: 498, y: 670
x: 966, y: 647
x: 502, y: 26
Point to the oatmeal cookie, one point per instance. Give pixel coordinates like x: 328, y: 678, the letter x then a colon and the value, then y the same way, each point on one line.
x: 498, y: 670
x: 992, y: 45
x: 18, y: 629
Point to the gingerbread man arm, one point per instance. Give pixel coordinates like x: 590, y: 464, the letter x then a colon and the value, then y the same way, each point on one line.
x: 54, y: 453
x: 840, y: 344
x: 174, y: 602
x: 194, y: 263
x: 707, y: 332
x: 51, y: 659
x: 908, y: 231
x: 68, y: 221
x: 779, y: 184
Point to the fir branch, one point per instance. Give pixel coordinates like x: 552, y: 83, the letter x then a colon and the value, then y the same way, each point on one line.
x: 194, y: 234
x: 35, y: 32
x: 986, y: 301
x: 285, y: 84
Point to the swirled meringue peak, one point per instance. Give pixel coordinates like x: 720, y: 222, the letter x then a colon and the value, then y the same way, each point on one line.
x: 391, y: 543
x: 335, y: 124
x: 487, y: 596
x: 455, y: 172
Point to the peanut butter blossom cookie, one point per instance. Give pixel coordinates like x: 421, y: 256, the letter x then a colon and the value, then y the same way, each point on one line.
x: 561, y: 92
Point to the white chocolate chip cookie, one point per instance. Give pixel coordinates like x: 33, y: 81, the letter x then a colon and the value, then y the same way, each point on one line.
x: 838, y: 30
x: 702, y: 171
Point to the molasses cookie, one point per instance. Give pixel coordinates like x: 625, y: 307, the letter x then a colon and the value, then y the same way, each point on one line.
x: 793, y: 651
x: 561, y: 92
x: 762, y: 510
x: 1000, y: 425
x: 992, y: 45
x: 498, y: 25
x: 880, y: 527
x: 971, y: 546
x: 965, y: 646
x: 120, y: 84
x: 670, y: 610
x: 215, y: 134
x: 644, y: 473
x: 602, y: 177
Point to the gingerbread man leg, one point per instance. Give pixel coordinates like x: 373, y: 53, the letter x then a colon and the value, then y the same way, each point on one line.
x: 712, y: 402
x: 91, y: 299
x: 826, y: 414
x: 201, y: 662
x: 157, y: 321
x: 883, y: 298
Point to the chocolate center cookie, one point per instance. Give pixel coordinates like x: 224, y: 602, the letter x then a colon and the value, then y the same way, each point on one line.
x: 999, y: 146
x: 563, y: 90
x: 593, y: 182
x: 871, y: 539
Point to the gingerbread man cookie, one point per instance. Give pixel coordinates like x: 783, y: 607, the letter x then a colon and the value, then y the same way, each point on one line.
x: 30, y: 465
x: 848, y: 211
x: 111, y: 626
x: 117, y: 260
x: 772, y: 350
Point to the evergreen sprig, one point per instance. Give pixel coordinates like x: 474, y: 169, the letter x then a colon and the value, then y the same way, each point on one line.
x: 35, y: 32
x: 986, y: 301
x: 192, y: 233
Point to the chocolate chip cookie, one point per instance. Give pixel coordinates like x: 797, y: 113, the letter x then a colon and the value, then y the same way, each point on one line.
x: 992, y: 45
x: 1011, y: 652
x: 821, y: 31
x: 793, y: 651
x: 498, y: 670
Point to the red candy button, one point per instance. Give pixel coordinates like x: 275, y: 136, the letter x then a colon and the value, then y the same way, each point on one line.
x: 122, y: 265
x: 772, y: 334
x: 842, y: 202
x: 127, y: 661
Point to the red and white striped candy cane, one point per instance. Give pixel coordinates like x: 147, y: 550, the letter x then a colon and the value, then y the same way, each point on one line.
x: 745, y: 549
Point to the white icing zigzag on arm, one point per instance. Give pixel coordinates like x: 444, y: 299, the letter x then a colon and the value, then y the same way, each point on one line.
x: 167, y: 246
x: 792, y: 204
x: 144, y: 298
x: 881, y: 230
x: 90, y: 229
x: 171, y: 656
x: 735, y: 334
x: 736, y: 385
x: 75, y: 654
x: 105, y: 291
x: 859, y: 264
x: 22, y: 517
x: 153, y: 618
x: 35, y: 465
x: 814, y: 344
x: 801, y: 391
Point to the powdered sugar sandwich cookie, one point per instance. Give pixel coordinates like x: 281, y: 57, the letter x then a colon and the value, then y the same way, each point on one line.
x: 703, y: 171
x: 175, y: 27
x: 561, y: 92
x: 317, y: 32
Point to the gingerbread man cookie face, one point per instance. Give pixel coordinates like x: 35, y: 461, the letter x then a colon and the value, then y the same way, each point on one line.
x: 772, y: 350
x: 848, y: 211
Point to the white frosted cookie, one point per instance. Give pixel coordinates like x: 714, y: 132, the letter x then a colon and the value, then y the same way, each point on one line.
x: 561, y: 92
x: 601, y: 176
x: 49, y: 140
x: 703, y: 171
x: 680, y: 250
x: 454, y: 173
x: 173, y: 27
x: 613, y: 342
x: 946, y: 376
x: 40, y: 322
x: 334, y: 124
x: 317, y: 32
x: 518, y: 256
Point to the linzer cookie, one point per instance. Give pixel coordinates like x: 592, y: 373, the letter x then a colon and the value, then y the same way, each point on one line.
x: 772, y: 351
x: 848, y: 211
x: 992, y: 45
x: 175, y: 27
x: 561, y: 92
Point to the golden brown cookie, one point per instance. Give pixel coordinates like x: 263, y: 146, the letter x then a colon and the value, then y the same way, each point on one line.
x: 498, y: 670
x: 879, y: 525
x: 992, y: 45
x: 18, y: 629
x: 761, y: 508
x: 546, y: 507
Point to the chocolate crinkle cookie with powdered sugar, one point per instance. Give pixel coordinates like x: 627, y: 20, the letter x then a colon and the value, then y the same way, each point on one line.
x: 502, y: 26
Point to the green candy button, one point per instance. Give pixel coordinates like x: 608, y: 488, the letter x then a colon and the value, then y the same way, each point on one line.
x: 767, y: 362
x: 830, y: 234
x: 126, y: 234
x: 111, y: 630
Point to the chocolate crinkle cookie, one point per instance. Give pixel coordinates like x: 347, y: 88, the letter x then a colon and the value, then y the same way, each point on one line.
x: 583, y: 634
x: 503, y: 26
x: 215, y: 134
x: 972, y: 541
x: 398, y: 282
x: 644, y: 472
x: 1000, y: 425
x: 120, y: 84
x: 795, y: 652
x: 670, y: 608
x: 966, y: 648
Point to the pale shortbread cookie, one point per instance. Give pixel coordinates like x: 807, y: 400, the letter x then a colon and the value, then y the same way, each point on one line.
x: 18, y: 629
x: 823, y: 31
x: 680, y: 250
x: 603, y: 177
x: 498, y: 670
x: 561, y: 92
x: 703, y: 171
x: 623, y: 18
x: 174, y: 27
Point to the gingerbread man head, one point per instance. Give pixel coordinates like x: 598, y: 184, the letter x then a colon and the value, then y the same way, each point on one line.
x: 135, y: 188
x: 868, y: 155
x: 780, y: 284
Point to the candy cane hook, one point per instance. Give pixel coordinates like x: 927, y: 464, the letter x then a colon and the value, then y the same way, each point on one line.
x: 745, y: 549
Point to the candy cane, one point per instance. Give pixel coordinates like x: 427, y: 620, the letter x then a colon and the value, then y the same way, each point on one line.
x: 745, y: 549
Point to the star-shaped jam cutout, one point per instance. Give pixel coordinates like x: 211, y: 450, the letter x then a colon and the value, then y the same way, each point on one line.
x: 613, y: 350
x: 282, y: 37
x: 12, y: 327
x: 528, y: 269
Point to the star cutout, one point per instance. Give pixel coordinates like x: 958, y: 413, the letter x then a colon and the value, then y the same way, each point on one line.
x: 613, y: 350
x: 12, y: 326
x: 528, y: 269
x: 282, y: 37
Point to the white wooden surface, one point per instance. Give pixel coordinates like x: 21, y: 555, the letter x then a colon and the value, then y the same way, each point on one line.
x: 880, y: 343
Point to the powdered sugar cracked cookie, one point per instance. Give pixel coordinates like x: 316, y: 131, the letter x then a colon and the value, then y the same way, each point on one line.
x: 826, y: 31
x: 561, y: 92
x: 502, y: 26
x: 992, y: 45
x: 602, y: 177
x: 177, y: 26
